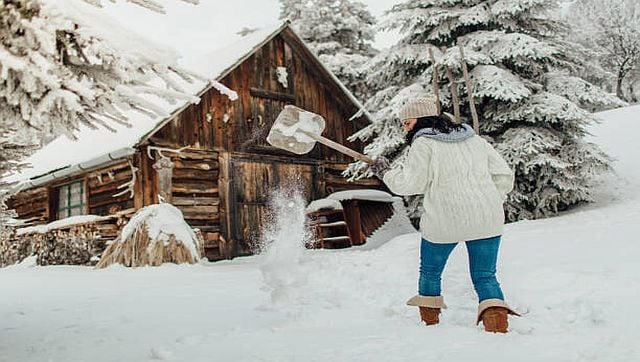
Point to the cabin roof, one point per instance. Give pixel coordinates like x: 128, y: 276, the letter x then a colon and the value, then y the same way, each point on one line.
x: 95, y: 147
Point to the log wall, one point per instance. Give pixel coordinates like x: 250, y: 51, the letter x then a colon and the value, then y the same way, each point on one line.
x: 32, y: 205
x: 101, y: 187
x: 196, y: 193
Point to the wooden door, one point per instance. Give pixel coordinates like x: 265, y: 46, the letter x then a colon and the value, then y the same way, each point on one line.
x: 253, y: 181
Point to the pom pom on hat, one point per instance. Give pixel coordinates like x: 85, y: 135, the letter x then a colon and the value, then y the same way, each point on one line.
x: 420, y: 107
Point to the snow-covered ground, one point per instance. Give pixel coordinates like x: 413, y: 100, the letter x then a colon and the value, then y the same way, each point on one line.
x: 576, y: 278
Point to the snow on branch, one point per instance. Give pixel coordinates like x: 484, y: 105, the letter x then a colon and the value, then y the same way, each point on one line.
x: 497, y: 83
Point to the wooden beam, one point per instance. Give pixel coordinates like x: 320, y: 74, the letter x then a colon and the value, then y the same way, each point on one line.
x: 435, y: 80
x: 454, y: 94
x: 224, y: 185
x: 467, y: 79
x: 264, y: 93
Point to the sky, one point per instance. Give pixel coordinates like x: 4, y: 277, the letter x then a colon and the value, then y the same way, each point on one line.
x: 195, y: 30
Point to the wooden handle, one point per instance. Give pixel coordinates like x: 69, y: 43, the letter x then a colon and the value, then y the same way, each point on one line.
x: 454, y: 93
x: 435, y: 81
x: 340, y: 148
x: 467, y: 79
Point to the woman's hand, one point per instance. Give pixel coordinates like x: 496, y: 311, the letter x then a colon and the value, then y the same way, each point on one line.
x: 380, y: 167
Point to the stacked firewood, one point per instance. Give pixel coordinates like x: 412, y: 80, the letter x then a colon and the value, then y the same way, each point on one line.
x: 72, y: 245
x: 13, y: 250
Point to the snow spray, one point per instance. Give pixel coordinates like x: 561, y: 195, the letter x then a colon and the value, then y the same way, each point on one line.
x: 283, y: 245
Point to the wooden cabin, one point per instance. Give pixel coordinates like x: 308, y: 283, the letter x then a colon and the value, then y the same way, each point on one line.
x: 222, y: 177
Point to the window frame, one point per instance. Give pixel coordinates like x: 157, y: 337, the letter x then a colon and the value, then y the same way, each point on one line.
x: 68, y: 207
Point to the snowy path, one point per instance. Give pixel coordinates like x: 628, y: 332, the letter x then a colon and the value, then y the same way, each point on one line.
x: 576, y: 277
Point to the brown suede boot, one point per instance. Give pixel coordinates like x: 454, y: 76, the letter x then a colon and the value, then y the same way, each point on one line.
x: 495, y: 319
x: 430, y: 316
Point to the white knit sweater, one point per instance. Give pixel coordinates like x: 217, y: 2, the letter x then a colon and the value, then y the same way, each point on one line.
x: 464, y: 185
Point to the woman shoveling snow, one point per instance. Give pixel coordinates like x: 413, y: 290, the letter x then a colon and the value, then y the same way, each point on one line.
x: 464, y: 182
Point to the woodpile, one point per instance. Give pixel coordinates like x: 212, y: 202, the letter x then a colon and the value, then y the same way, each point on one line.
x: 72, y: 245
x: 14, y: 250
x: 149, y: 241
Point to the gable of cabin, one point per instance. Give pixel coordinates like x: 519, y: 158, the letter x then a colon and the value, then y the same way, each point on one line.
x: 282, y: 71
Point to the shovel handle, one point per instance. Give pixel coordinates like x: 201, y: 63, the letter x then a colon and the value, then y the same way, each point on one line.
x: 340, y: 148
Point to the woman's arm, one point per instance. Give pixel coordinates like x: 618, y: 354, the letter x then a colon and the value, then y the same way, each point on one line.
x: 413, y: 177
x: 501, y: 173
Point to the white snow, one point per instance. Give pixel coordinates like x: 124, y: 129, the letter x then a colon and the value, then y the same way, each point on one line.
x: 575, y: 278
x: 163, y: 220
x: 362, y: 194
x: 283, y: 249
x: 59, y: 224
x: 320, y: 204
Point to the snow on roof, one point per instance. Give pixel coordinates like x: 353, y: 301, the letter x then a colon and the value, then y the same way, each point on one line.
x: 321, y: 204
x: 218, y: 62
x: 333, y: 201
x: 94, y: 145
x: 362, y: 194
x: 91, y: 144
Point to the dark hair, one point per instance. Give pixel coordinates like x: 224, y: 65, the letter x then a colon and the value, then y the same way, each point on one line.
x: 441, y: 123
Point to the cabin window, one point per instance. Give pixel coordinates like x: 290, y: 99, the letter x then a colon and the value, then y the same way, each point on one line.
x: 70, y: 199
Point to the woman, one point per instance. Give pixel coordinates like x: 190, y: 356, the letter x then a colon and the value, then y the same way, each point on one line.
x: 464, y: 182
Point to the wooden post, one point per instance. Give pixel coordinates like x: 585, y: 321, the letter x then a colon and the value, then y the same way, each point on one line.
x: 467, y: 79
x: 148, y: 180
x: 224, y: 186
x: 164, y: 167
x: 351, y: 211
x: 454, y: 94
x: 435, y: 80
x: 138, y: 195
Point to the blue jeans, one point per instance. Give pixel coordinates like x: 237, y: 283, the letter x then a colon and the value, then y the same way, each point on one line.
x: 483, y: 255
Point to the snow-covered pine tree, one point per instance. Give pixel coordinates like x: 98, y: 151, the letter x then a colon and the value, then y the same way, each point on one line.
x: 340, y: 32
x: 528, y: 101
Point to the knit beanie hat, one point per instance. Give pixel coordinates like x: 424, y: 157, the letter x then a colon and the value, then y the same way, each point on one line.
x: 420, y: 107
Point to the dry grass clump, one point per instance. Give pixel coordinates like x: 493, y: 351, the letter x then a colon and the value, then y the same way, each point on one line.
x: 145, y: 242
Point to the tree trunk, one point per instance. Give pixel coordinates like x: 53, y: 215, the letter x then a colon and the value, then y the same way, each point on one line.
x: 619, y: 87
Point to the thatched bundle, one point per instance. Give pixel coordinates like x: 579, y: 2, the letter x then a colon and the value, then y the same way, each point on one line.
x: 156, y: 234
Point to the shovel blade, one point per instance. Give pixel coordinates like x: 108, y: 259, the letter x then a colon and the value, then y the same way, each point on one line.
x: 292, y: 128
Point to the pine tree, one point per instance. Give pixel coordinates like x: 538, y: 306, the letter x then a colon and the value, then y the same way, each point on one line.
x: 340, y: 32
x: 529, y: 102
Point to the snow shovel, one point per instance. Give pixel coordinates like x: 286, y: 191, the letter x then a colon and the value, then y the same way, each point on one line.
x: 297, y: 131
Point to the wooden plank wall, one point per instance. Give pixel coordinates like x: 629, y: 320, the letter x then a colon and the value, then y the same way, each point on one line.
x: 195, y: 192
x: 103, y: 184
x: 31, y: 205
